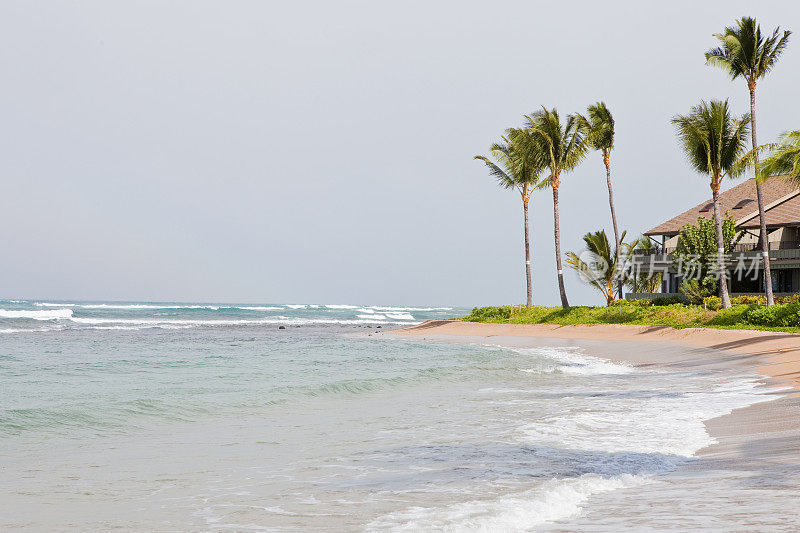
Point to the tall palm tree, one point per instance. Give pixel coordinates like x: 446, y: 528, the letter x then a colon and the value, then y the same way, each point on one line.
x: 784, y: 158
x: 714, y: 140
x: 745, y: 53
x: 600, y: 123
x: 560, y: 148
x: 599, y: 266
x: 516, y: 168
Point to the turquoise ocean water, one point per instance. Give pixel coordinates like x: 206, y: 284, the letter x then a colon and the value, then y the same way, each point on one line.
x: 173, y: 416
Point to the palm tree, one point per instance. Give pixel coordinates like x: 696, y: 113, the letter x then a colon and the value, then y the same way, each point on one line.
x: 714, y: 140
x: 598, y: 265
x: 560, y: 148
x: 520, y: 171
x: 600, y: 123
x: 784, y: 159
x: 643, y: 281
x: 746, y: 53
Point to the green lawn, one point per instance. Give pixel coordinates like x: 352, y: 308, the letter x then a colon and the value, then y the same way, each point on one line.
x: 757, y: 317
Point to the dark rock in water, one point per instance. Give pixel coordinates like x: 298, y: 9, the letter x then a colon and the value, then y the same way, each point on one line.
x: 369, y: 326
x: 281, y: 327
x: 378, y: 326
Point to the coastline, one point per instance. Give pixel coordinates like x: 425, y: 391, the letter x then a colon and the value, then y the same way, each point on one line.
x: 756, y: 445
x: 772, y: 354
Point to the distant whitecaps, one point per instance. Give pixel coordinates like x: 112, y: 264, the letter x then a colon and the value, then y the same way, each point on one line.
x: 126, y: 306
x: 400, y: 316
x: 254, y: 308
x: 54, y: 314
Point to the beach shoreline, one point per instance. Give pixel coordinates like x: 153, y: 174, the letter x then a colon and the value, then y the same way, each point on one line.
x: 775, y: 355
x: 757, y: 444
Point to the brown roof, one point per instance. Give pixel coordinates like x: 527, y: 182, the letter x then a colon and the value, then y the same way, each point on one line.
x: 784, y: 213
x: 777, y: 194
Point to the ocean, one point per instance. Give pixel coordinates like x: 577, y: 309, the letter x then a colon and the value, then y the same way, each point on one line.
x: 298, y: 417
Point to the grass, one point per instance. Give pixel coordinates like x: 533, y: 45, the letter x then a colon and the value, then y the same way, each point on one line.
x: 756, y: 317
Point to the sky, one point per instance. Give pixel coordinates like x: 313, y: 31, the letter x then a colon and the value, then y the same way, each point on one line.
x: 318, y: 152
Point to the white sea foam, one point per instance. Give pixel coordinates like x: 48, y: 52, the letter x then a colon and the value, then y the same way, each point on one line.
x: 127, y: 306
x: 255, y: 308
x: 279, y: 320
x: 341, y: 306
x: 54, y: 314
x: 553, y: 500
x: 569, y: 360
x: 655, y: 423
x: 380, y: 308
x: 373, y: 316
x: 400, y: 316
x: 296, y: 306
x: 659, y: 424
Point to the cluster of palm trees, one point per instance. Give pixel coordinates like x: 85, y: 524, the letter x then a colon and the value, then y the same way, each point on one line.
x: 546, y: 148
x: 715, y: 141
x: 543, y: 151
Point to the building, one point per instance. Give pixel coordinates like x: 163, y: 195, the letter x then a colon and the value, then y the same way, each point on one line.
x: 782, y: 211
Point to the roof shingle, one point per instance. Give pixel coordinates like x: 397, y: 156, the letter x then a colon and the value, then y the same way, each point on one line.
x: 785, y: 213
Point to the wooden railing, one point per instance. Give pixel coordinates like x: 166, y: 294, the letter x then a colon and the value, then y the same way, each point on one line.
x: 739, y: 248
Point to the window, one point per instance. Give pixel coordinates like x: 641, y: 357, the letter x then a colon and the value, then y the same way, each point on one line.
x: 743, y: 203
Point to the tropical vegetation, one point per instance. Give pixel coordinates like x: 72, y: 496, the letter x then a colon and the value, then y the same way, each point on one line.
x: 784, y: 158
x: 548, y: 146
x: 714, y: 141
x: 600, y: 125
x: 746, y: 53
x: 517, y: 168
x: 599, y: 265
x: 665, y: 313
x: 561, y: 147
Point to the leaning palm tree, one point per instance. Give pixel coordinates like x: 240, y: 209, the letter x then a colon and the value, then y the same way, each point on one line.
x: 516, y: 168
x: 560, y: 148
x: 598, y: 265
x: 714, y: 141
x: 600, y: 123
x: 746, y: 53
x: 645, y: 280
x: 784, y: 158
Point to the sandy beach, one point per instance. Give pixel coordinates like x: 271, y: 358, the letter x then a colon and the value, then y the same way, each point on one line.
x: 756, y: 445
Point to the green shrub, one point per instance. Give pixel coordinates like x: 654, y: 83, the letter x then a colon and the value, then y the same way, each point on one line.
x: 643, y: 302
x: 784, y: 316
x: 490, y: 313
x: 712, y: 303
x: 749, y: 300
x: 667, y: 300
x: 788, y: 299
x: 695, y: 290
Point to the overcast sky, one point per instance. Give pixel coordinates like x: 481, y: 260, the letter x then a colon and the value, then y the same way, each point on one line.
x: 306, y: 152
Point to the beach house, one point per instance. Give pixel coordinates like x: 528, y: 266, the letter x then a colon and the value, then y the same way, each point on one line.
x: 782, y: 213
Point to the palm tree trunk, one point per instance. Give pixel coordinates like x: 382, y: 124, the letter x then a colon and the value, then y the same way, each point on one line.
x: 723, y: 273
x: 613, y: 212
x: 557, y: 234
x: 763, y: 228
x: 527, y: 256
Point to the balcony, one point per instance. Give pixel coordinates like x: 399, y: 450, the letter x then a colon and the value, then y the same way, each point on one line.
x: 739, y: 248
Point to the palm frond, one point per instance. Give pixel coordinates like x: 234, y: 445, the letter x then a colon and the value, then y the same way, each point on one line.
x: 712, y: 138
x: 784, y: 159
x: 745, y: 52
